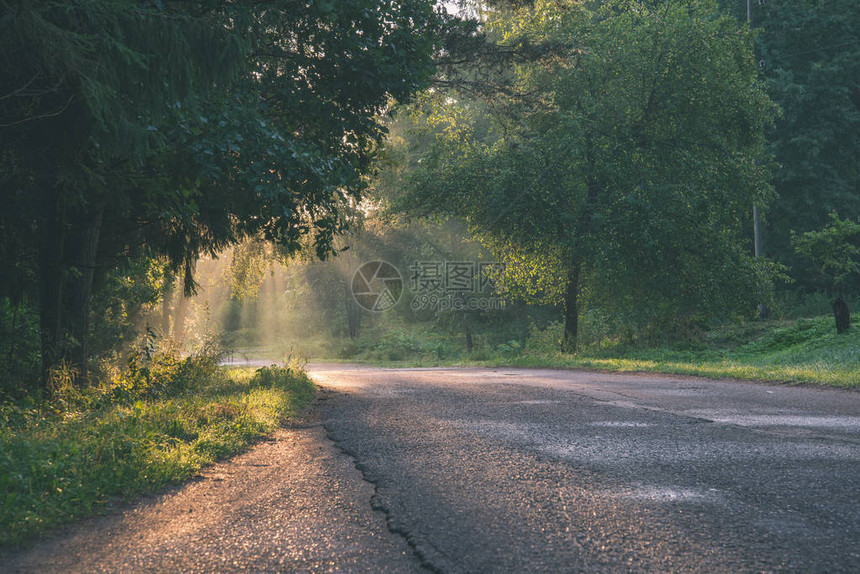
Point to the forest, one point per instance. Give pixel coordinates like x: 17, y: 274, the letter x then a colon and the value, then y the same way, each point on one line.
x: 626, y: 184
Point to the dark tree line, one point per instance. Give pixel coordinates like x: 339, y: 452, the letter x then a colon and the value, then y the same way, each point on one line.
x: 809, y: 58
x: 173, y: 128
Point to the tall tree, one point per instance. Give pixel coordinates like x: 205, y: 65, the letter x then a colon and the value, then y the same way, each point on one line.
x: 627, y: 169
x: 177, y: 127
x: 810, y: 58
x: 84, y: 85
x: 835, y: 252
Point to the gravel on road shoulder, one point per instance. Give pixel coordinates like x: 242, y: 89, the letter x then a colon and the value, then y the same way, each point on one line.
x: 293, y: 503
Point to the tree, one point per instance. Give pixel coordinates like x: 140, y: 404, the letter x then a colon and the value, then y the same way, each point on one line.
x: 84, y: 85
x: 628, y: 169
x: 178, y: 127
x: 810, y: 60
x: 835, y: 252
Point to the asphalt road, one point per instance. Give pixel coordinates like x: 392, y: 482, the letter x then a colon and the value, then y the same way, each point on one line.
x: 562, y: 471
x: 508, y: 470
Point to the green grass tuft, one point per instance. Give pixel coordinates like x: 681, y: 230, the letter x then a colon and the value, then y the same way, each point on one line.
x: 77, y: 454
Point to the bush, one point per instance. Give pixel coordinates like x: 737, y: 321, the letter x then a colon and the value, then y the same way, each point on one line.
x: 510, y: 349
x: 288, y: 376
x: 19, y: 348
x: 399, y: 345
x: 547, y: 340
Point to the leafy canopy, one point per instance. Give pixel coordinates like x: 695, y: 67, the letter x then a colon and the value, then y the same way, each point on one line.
x: 834, y: 250
x: 174, y: 128
x: 810, y: 59
x: 633, y: 154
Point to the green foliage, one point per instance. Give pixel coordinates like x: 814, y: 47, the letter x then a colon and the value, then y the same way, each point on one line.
x: 213, y: 96
x: 399, y: 344
x: 802, y: 333
x: 290, y: 375
x: 631, y: 165
x: 76, y: 455
x: 510, y: 348
x: 429, y: 343
x: 19, y: 348
x: 175, y: 129
x: 248, y: 265
x: 811, y: 63
x: 598, y: 329
x: 164, y: 374
x: 799, y: 304
x: 122, y: 300
x: 834, y: 250
x: 806, y: 350
x: 533, y: 273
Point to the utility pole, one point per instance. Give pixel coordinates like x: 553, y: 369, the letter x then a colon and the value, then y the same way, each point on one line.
x: 763, y: 311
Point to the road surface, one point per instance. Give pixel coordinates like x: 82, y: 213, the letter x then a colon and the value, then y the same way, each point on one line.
x: 510, y: 470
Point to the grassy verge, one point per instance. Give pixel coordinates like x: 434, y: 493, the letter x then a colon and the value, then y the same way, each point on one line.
x: 83, y: 450
x: 802, y: 351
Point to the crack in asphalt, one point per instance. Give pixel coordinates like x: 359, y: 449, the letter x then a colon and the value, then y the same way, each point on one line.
x: 418, y: 548
x: 424, y: 555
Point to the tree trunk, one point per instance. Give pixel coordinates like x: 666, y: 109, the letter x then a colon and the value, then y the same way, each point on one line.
x: 179, y: 317
x: 50, y: 291
x: 165, y: 307
x: 571, y: 311
x: 82, y: 249
x: 841, y: 314
x: 353, y: 313
x: 584, y: 224
x: 469, y: 344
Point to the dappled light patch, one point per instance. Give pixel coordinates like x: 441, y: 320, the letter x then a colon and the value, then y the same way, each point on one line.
x: 75, y: 455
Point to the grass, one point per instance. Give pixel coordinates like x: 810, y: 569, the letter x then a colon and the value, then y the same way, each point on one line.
x: 800, y: 351
x: 804, y: 351
x: 83, y: 451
